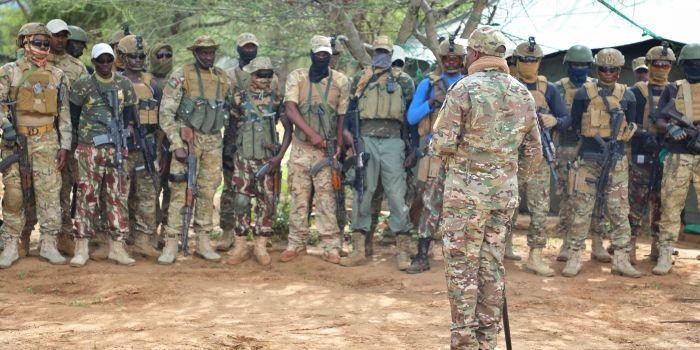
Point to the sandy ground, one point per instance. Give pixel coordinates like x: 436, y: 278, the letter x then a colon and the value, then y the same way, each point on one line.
x: 309, y: 304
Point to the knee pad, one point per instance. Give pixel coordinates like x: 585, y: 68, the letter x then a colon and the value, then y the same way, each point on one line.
x: 241, y: 202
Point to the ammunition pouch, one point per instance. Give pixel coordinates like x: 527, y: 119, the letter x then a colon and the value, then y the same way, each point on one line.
x: 203, y: 115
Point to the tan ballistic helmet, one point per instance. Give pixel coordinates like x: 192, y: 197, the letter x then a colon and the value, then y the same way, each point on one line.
x: 258, y: 63
x: 321, y: 43
x: 383, y: 42
x: 32, y: 28
x: 524, y: 50
x: 609, y: 57
x: 131, y: 44
x: 639, y: 63
x: 457, y: 49
x: 488, y: 41
x: 660, y: 53
x: 116, y: 36
x: 247, y: 38
x: 203, y: 41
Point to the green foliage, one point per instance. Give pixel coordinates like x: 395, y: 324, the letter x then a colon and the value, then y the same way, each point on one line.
x: 12, y: 19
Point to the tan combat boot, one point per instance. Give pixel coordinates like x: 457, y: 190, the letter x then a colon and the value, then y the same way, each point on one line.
x: 102, y: 242
x: 403, y: 247
x: 633, y: 250
x: 621, y: 265
x: 49, y: 252
x: 563, y: 254
x: 598, y: 252
x: 65, y: 244
x: 82, y: 254
x: 225, y: 241
x: 536, y: 265
x: 260, y: 251
x: 573, y: 265
x: 204, y: 248
x: 510, y: 254
x: 332, y: 256
x: 143, y: 245
x: 665, y: 262
x: 11, y: 252
x: 291, y: 253
x: 357, y: 256
x: 169, y: 252
x: 240, y: 252
x: 118, y: 254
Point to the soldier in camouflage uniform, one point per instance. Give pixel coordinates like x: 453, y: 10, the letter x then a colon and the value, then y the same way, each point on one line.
x: 383, y: 94
x: 38, y: 91
x: 681, y: 167
x: 99, y: 173
x: 592, y: 111
x: 424, y: 108
x: 640, y: 69
x: 143, y: 197
x: 316, y: 100
x: 77, y: 41
x: 256, y: 111
x: 197, y: 97
x: 551, y: 112
x: 645, y: 171
x: 486, y: 118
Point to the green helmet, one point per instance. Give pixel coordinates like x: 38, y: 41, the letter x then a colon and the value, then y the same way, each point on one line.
x: 77, y: 34
x: 689, y: 52
x: 579, y: 53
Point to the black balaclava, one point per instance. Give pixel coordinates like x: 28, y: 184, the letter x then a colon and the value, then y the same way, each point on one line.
x: 244, y: 57
x: 319, y: 68
x: 691, y: 68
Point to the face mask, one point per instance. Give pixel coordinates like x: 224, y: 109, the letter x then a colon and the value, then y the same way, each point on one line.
x: 34, y: 54
x: 155, y: 66
x: 527, y: 71
x: 577, y: 75
x: 658, y: 76
x: 244, y: 57
x: 691, y: 68
x: 319, y: 68
x: 381, y: 60
x: 260, y: 84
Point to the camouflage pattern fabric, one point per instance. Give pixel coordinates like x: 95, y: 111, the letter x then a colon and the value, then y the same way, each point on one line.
x: 566, y: 155
x: 680, y: 171
x: 143, y: 199
x: 638, y: 189
x: 263, y: 191
x: 536, y: 189
x: 432, y: 207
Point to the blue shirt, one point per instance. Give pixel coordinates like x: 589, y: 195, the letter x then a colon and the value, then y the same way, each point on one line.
x: 420, y: 107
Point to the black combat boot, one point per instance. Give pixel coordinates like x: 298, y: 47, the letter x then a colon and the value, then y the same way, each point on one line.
x: 420, y: 263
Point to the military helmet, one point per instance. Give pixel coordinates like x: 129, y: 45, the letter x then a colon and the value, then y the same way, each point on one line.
x: 457, y: 49
x: 660, y: 53
x: 32, y: 28
x: 203, y: 41
x: 131, y: 44
x: 609, y: 57
x: 258, y: 63
x: 116, y: 36
x: 578, y: 54
x: 383, y: 42
x: 77, y: 34
x: 689, y: 52
x: 525, y: 50
x: 488, y: 41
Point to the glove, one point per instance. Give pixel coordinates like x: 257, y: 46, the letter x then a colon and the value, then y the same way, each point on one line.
x: 676, y: 132
x: 548, y: 121
x: 9, y: 134
x: 628, y: 132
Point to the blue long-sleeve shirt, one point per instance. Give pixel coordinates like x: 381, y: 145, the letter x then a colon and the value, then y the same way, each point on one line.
x: 420, y: 106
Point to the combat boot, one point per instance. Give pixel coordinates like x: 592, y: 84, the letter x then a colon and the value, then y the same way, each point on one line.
x: 357, y: 256
x: 421, y: 262
x: 102, y: 251
x: 65, y: 244
x: 260, y: 251
x: 169, y: 252
x: 142, y: 245
x: 204, y: 248
x: 563, y: 254
x: 49, y: 252
x: 225, y: 241
x: 332, y: 256
x: 291, y: 253
x: 82, y: 254
x: 10, y: 254
x: 633, y: 250
x: 573, y: 265
x: 403, y: 247
x: 510, y: 254
x: 240, y: 252
x: 369, y: 244
x: 621, y: 265
x: 665, y: 261
x: 598, y: 252
x: 536, y: 265
x: 118, y: 254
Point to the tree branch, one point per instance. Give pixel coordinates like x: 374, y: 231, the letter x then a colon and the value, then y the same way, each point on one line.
x: 443, y: 12
x: 474, y: 17
x: 431, y: 36
x: 407, y: 25
x: 355, y: 43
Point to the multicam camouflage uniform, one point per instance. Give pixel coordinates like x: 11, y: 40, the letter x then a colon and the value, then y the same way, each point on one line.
x: 486, y: 118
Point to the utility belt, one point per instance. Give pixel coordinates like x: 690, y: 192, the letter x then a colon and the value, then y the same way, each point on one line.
x: 35, y: 130
x: 380, y: 128
x: 598, y: 157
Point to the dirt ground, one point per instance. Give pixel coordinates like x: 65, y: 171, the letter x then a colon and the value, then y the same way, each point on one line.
x: 309, y: 304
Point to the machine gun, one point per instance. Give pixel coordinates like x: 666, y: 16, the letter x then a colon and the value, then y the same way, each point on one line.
x: 116, y: 136
x: 275, y: 148
x: 148, y: 150
x: 612, y: 152
x: 360, y: 158
x: 548, y: 149
x: 187, y: 135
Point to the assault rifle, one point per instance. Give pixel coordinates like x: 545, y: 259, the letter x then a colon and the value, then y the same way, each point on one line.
x: 613, y: 150
x: 187, y: 135
x: 548, y: 149
x: 335, y: 167
x: 148, y: 150
x: 21, y: 155
x: 693, y: 131
x: 360, y: 158
x: 275, y: 148
x: 116, y: 136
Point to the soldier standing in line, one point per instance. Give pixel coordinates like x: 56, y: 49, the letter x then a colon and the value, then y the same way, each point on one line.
x: 640, y: 69
x: 77, y: 42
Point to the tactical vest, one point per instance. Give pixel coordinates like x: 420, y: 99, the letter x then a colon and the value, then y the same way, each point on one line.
x: 37, y: 96
x: 203, y: 105
x: 688, y: 100
x: 314, y: 110
x: 569, y: 92
x: 596, y: 120
x: 539, y: 94
x: 254, y: 137
x: 377, y: 102
x: 439, y: 86
x: 147, y: 105
x: 650, y: 106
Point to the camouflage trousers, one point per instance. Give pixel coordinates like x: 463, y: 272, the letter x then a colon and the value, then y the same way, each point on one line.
x: 208, y: 155
x: 583, y: 188
x: 46, y: 184
x: 68, y: 180
x: 536, y: 189
x: 566, y: 155
x: 97, y: 176
x: 432, y: 206
x: 227, y: 212
x: 143, y: 199
x: 246, y: 188
x: 301, y: 184
x: 473, y: 249
x: 640, y: 198
x: 680, y: 171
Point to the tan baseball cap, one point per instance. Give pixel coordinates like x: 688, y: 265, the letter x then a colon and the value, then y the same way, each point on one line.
x: 247, y: 38
x: 258, y: 63
x: 488, y: 41
x: 383, y: 42
x: 639, y: 62
x: 321, y: 43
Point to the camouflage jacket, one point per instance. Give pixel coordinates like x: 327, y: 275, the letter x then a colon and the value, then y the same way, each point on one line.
x: 71, y: 66
x: 485, y: 119
x: 240, y: 80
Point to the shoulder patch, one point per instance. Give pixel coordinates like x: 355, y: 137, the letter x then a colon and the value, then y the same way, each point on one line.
x: 173, y: 82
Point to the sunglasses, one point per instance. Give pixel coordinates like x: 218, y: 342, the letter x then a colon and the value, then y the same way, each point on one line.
x: 104, y: 60
x: 661, y: 64
x: 264, y: 74
x: 162, y: 55
x: 40, y: 43
x: 134, y: 56
x: 608, y: 69
x: 528, y: 59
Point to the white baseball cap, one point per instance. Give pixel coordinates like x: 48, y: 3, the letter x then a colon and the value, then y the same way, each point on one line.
x: 56, y: 26
x: 100, y: 49
x: 398, y: 54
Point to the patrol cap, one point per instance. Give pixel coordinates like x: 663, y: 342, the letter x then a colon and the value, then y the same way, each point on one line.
x: 488, y: 41
x: 203, y: 41
x: 399, y: 54
x: 258, y: 63
x: 639, y: 63
x: 247, y: 38
x: 100, y: 49
x: 383, y: 42
x: 321, y: 43
x: 56, y: 26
